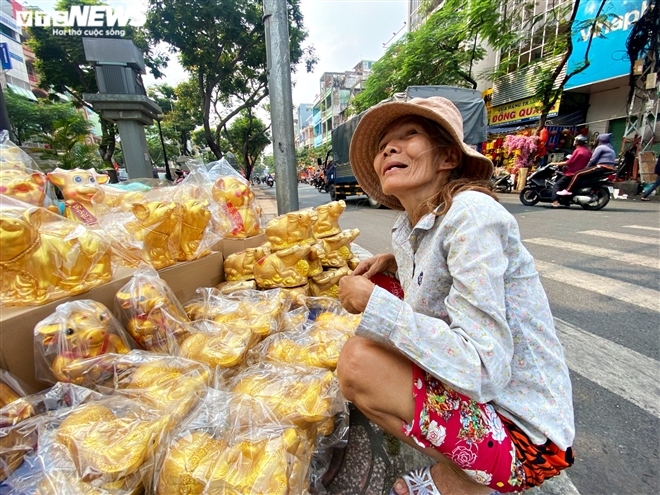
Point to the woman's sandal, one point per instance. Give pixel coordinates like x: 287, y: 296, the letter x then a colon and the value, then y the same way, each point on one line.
x: 419, y: 482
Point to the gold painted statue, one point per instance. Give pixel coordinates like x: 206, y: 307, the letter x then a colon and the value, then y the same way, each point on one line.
x: 13, y: 407
x: 152, y: 313
x: 78, y: 187
x: 24, y: 186
x: 291, y: 228
x: 235, y: 198
x: 327, y: 223
x: 77, y: 331
x: 240, y: 266
x: 194, y: 219
x: 154, y: 225
x: 218, y: 345
x: 284, y: 268
x: 327, y: 283
x: 41, y: 259
x: 337, y: 248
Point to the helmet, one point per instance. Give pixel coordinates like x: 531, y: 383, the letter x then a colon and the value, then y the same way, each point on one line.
x: 580, y: 139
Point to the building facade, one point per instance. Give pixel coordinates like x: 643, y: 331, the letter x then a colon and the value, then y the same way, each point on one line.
x: 17, y: 78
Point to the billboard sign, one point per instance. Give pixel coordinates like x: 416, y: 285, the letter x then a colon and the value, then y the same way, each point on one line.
x: 5, y: 57
x: 607, y: 54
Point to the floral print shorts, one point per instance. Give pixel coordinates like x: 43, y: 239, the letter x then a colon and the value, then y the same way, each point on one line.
x: 470, y: 434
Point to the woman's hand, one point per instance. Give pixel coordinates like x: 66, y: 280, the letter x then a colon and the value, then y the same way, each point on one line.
x: 380, y: 263
x: 354, y: 293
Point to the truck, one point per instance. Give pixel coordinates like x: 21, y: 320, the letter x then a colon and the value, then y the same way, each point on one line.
x: 341, y: 181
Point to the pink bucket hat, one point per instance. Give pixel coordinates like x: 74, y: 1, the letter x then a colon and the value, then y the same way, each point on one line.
x: 364, y: 144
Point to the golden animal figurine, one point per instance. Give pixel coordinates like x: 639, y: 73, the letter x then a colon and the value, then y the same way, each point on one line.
x: 13, y: 407
x: 78, y: 187
x: 337, y: 248
x: 304, y: 398
x: 235, y: 197
x: 106, y: 447
x: 227, y: 288
x: 346, y: 322
x: 222, y: 345
x: 42, y: 260
x: 113, y: 197
x: 16, y: 441
x: 240, y: 266
x: 285, y: 268
x: 291, y: 228
x: 328, y: 219
x: 327, y: 282
x: 153, y: 314
x: 26, y: 187
x: 197, y: 463
x: 155, y: 223
x: 77, y: 331
x: 297, y: 294
x: 195, y: 218
x: 316, y: 256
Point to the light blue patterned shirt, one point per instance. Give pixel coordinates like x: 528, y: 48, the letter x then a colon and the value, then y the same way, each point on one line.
x: 476, y: 316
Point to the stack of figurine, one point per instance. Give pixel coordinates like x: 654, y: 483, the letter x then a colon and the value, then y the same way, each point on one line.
x: 307, y: 253
x: 52, y: 248
x: 229, y: 393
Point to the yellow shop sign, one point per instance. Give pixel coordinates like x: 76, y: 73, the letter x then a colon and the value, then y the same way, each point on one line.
x: 519, y: 110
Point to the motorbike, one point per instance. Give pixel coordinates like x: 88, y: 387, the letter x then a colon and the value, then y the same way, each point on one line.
x: 593, y: 194
x: 270, y: 181
x: 502, y: 183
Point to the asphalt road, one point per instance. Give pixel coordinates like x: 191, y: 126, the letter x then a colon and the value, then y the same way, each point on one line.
x: 601, y: 273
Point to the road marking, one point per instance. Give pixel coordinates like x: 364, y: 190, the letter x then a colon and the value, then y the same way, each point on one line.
x: 633, y: 259
x: 622, y: 291
x: 627, y: 373
x: 622, y: 237
x: 642, y: 227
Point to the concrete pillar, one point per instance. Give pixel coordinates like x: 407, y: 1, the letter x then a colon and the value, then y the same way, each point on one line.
x: 134, y: 148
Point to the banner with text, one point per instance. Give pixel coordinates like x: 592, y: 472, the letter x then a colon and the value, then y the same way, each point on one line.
x: 517, y: 111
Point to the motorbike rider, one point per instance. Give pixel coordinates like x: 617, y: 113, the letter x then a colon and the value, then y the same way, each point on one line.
x: 604, y: 156
x: 329, y: 172
x: 577, y: 161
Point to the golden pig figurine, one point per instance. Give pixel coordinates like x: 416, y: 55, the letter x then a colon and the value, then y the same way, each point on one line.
x: 235, y: 197
x: 328, y: 219
x: 13, y: 407
x: 78, y: 187
x: 291, y: 228
x: 337, y: 248
x: 285, y: 268
x: 240, y: 266
x: 155, y: 224
x: 79, y: 330
x: 195, y: 218
x: 326, y: 283
x: 38, y: 258
x: 26, y: 187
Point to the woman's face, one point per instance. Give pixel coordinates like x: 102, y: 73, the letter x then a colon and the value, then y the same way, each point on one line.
x: 409, y: 165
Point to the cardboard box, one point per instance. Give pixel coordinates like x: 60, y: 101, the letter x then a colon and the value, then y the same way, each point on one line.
x: 17, y: 323
x: 230, y: 246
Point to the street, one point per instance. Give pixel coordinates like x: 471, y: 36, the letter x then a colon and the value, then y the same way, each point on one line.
x: 600, y: 270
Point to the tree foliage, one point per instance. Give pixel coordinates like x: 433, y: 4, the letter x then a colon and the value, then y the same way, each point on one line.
x: 66, y: 144
x: 247, y: 137
x: 222, y: 44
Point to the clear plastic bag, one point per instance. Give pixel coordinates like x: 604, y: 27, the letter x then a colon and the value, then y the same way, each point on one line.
x: 151, y: 312
x: 68, y: 343
x: 13, y: 406
x: 44, y: 257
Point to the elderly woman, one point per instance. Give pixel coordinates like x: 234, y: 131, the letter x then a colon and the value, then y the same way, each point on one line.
x: 467, y: 368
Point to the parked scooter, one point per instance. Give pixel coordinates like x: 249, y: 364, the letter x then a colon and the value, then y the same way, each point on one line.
x: 270, y: 181
x: 502, y: 183
x: 593, y: 194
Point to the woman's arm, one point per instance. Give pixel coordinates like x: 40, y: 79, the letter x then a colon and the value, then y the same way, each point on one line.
x: 472, y: 352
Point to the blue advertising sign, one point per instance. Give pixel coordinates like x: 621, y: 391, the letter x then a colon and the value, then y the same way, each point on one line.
x: 4, y: 56
x: 607, y: 54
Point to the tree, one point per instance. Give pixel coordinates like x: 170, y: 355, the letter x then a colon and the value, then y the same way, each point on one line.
x: 62, y: 67
x: 66, y: 144
x: 222, y: 44
x: 247, y: 136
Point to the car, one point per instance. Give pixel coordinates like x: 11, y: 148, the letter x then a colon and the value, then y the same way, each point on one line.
x: 122, y: 175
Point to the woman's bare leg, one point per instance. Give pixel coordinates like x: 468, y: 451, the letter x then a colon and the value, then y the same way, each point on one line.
x: 379, y: 381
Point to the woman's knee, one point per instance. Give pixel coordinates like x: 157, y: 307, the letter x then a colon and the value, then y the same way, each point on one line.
x: 354, y: 365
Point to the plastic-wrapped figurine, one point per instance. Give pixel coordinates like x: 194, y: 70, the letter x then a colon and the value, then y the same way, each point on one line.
x: 152, y: 313
x: 291, y: 229
x: 154, y: 225
x: 326, y: 283
x: 284, y: 268
x: 78, y: 187
x: 44, y: 257
x: 67, y: 341
x: 27, y: 187
x: 327, y: 223
x: 218, y: 345
x: 13, y: 407
x: 337, y: 249
x: 235, y: 198
x: 240, y: 265
x: 194, y: 219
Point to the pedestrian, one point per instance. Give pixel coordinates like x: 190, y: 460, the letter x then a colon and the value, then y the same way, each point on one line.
x: 654, y: 186
x: 577, y: 161
x: 603, y: 157
x: 467, y: 367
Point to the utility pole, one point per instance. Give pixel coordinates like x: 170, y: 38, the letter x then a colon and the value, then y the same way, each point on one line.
x: 281, y: 103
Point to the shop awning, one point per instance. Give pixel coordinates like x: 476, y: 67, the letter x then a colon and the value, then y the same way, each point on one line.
x: 26, y: 93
